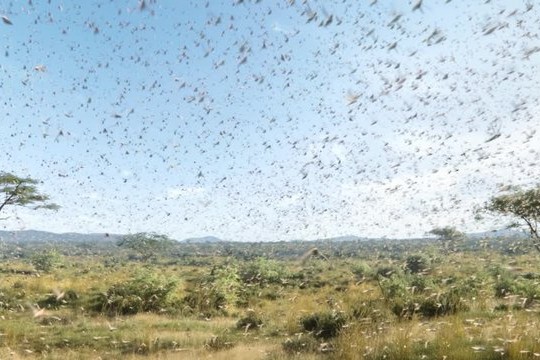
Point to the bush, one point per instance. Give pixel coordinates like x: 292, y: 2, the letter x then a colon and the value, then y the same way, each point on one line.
x: 416, y: 264
x: 249, y: 322
x: 46, y: 261
x: 394, y: 287
x: 361, y: 270
x: 54, y: 301
x: 419, y: 283
x: 226, y: 281
x: 148, y: 292
x: 206, y: 300
x: 262, y: 271
x: 217, y: 343
x: 529, y: 291
x: 324, y: 325
x: 504, y: 286
x: 404, y: 309
x: 387, y: 271
x: 446, y: 303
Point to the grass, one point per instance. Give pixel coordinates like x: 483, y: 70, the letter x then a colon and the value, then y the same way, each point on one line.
x: 280, y: 309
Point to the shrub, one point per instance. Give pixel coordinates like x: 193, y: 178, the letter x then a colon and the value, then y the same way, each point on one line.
x: 46, y: 261
x: 504, y: 286
x: 387, y: 271
x: 249, y: 322
x: 361, y: 270
x: 54, y: 301
x: 217, y: 343
x: 416, y: 264
x: 404, y: 309
x: 205, y: 300
x: 324, y: 325
x: 446, y: 303
x: 419, y: 283
x: 394, y: 287
x: 451, y: 303
x: 148, y: 292
x: 262, y: 271
x: 529, y: 291
x: 226, y: 281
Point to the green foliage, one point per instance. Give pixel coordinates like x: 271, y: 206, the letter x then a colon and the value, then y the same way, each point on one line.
x: 263, y: 271
x: 147, y: 245
x: 251, y: 321
x: 505, y: 282
x: 22, y: 192
x: 46, y: 261
x: 402, y: 321
x: 406, y: 297
x: 444, y: 303
x: 147, y: 292
x: 387, y: 271
x: 361, y: 270
x: 447, y: 233
x: 213, y: 293
x: 324, y: 325
x: 416, y: 263
x: 59, y: 299
x: 394, y: 286
x: 504, y: 286
x: 419, y: 283
x: 529, y: 291
x: 524, y: 205
x: 226, y: 280
x: 205, y: 300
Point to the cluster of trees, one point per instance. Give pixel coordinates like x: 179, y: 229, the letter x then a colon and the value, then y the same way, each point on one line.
x: 522, y: 205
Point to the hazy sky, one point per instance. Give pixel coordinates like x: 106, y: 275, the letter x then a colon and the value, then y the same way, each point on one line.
x: 268, y: 120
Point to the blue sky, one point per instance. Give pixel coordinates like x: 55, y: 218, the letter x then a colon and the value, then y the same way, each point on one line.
x: 246, y: 121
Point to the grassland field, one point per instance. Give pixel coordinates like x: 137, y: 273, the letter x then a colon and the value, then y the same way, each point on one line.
x: 387, y: 300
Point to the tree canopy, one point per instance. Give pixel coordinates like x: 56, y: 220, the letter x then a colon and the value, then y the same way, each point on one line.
x: 524, y: 205
x: 447, y: 233
x: 18, y: 191
x: 148, y: 245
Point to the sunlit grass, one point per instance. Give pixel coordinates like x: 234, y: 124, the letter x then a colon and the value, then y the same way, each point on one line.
x: 489, y: 327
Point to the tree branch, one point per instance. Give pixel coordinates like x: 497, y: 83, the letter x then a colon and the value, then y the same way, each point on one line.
x: 534, y: 232
x: 10, y: 197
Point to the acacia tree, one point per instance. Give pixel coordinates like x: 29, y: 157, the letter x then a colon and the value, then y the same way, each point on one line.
x: 148, y: 245
x: 447, y: 233
x: 523, y: 205
x: 18, y: 191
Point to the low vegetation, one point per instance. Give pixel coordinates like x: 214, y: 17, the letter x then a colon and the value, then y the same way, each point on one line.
x: 354, y: 300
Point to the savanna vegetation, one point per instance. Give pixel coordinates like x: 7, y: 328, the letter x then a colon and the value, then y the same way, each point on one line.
x: 303, y: 300
x: 146, y: 296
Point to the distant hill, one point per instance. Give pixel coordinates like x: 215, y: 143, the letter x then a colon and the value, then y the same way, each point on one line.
x: 45, y: 236
x: 345, y: 238
x: 501, y: 233
x: 31, y: 236
x: 202, y: 240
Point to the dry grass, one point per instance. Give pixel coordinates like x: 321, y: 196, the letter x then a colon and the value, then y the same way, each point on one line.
x: 72, y: 331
